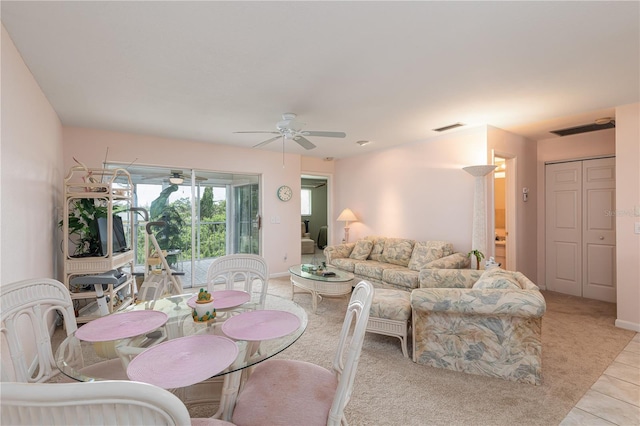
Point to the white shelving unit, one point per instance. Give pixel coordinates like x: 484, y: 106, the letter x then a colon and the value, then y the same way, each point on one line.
x: 110, y: 190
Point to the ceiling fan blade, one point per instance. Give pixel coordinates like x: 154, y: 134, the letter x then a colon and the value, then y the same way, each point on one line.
x: 304, y: 142
x: 325, y: 134
x: 267, y: 141
x: 154, y: 176
x: 259, y: 131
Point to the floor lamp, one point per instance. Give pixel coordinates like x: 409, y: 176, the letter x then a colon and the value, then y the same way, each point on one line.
x: 346, y: 216
x: 479, y: 233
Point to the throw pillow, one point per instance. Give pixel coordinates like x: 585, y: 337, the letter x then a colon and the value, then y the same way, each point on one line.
x: 497, y: 278
x: 397, y: 251
x: 361, y: 250
x: 378, y: 246
x: 425, y: 252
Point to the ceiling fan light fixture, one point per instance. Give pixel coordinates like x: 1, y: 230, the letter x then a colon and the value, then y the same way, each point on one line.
x: 176, y: 179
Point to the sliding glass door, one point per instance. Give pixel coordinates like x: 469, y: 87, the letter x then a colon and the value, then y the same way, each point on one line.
x: 203, y: 215
x: 246, y: 218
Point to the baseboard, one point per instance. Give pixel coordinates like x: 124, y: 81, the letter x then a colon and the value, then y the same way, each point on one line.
x: 628, y: 325
x: 279, y: 274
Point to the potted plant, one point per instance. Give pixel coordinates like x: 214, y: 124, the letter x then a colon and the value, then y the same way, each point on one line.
x: 83, y: 229
x: 479, y: 256
x: 83, y: 224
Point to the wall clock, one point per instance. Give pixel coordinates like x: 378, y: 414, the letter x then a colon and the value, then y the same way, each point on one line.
x: 285, y: 193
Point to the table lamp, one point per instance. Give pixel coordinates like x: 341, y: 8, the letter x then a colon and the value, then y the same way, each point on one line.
x: 346, y: 216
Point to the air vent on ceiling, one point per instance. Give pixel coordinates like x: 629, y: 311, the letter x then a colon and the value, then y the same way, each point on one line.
x: 600, y: 124
x: 449, y: 127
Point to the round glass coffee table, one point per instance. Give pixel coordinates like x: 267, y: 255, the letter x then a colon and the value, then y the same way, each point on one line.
x: 320, y: 285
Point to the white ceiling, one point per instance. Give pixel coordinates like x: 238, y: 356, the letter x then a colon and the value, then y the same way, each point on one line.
x: 388, y: 72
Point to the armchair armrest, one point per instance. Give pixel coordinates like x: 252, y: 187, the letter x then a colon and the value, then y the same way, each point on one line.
x: 453, y: 261
x: 448, y: 278
x: 518, y: 303
x: 338, y: 251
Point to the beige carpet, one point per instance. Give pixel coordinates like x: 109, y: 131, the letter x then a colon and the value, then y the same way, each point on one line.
x: 579, y: 342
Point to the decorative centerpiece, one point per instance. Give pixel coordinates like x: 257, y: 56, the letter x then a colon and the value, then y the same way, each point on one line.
x: 310, y: 268
x: 204, y: 310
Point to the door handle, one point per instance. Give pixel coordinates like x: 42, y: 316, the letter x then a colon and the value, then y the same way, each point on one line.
x: 601, y: 237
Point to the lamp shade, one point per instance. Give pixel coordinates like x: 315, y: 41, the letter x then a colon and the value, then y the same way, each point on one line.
x: 482, y: 170
x: 347, y: 216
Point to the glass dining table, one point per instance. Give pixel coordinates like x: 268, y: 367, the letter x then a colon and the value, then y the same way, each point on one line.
x: 160, y: 342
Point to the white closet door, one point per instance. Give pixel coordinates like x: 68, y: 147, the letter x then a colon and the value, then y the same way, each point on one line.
x: 580, y: 228
x: 564, y: 228
x: 599, y: 226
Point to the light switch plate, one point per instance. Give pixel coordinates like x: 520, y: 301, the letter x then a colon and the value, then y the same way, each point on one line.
x: 637, y: 228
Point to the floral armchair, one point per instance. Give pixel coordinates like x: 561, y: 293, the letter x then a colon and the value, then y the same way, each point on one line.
x: 479, y: 322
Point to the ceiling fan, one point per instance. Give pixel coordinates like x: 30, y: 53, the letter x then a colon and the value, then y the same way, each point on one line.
x: 290, y: 128
x: 175, y: 177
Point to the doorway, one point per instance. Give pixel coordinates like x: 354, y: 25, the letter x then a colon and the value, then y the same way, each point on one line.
x: 580, y: 228
x: 504, y: 204
x: 314, y: 215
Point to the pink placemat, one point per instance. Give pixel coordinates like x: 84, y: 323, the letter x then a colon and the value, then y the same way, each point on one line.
x: 260, y: 325
x: 224, y: 299
x: 121, y: 326
x: 183, y: 361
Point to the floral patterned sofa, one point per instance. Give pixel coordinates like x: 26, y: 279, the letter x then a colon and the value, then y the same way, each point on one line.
x: 393, y: 262
x: 479, y: 322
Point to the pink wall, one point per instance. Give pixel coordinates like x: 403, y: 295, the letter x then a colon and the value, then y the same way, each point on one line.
x: 31, y: 174
x: 420, y: 191
x: 628, y: 204
x: 278, y: 239
x: 584, y: 145
x: 417, y: 191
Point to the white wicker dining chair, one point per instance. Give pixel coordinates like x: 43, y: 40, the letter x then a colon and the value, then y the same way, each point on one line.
x: 27, y: 308
x: 111, y: 402
x: 248, y: 272
x: 291, y: 392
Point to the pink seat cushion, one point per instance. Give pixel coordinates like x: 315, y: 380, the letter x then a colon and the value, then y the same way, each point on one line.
x: 286, y: 392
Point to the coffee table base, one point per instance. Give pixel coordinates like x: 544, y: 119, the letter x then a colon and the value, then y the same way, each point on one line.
x: 319, y: 289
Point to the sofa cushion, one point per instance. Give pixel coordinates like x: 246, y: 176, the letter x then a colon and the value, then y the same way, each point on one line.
x: 372, y: 269
x: 345, y: 263
x: 378, y: 246
x: 447, y: 249
x: 397, y: 251
x: 401, y: 278
x: 425, y: 252
x: 361, y: 250
x: 497, y: 278
x: 391, y: 304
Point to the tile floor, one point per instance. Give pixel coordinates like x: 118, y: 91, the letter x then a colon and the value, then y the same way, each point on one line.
x: 614, y: 399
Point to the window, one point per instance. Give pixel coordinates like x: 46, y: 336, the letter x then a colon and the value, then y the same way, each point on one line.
x: 305, y: 199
